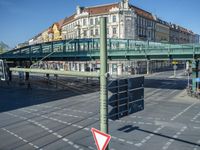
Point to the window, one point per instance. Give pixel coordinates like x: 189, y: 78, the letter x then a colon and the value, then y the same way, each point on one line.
x: 91, y: 21
x: 96, y: 21
x: 91, y: 33
x: 142, y: 22
x: 84, y: 22
x: 114, y: 19
x: 140, y: 31
x: 85, y: 33
x: 96, y: 32
x: 107, y: 30
x: 114, y: 30
x: 107, y: 19
x: 149, y: 34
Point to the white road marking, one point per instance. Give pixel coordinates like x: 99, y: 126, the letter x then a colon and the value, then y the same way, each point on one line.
x: 47, y: 129
x: 133, y: 122
x: 197, y: 147
x: 196, y: 121
x: 150, y: 118
x: 70, y: 109
x: 196, y: 127
x: 195, y: 117
x: 20, y: 138
x: 179, y: 114
x: 147, y: 138
x: 169, y: 142
x: 92, y: 118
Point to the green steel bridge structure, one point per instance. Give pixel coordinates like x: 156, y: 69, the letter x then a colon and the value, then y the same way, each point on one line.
x: 103, y: 49
x: 89, y: 49
x: 117, y: 49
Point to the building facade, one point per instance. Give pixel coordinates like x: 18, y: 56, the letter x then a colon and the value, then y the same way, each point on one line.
x: 124, y: 21
x: 55, y: 31
x: 181, y: 35
x: 145, y: 24
x: 162, y: 31
x: 174, y: 34
x: 196, y: 38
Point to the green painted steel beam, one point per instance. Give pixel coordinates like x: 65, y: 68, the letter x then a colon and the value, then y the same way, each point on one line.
x: 87, y: 48
x: 57, y: 72
x: 195, y: 71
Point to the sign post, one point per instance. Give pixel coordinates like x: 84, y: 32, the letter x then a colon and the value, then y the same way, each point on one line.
x: 103, y: 78
x: 2, y: 71
x: 188, y: 72
x: 175, y: 67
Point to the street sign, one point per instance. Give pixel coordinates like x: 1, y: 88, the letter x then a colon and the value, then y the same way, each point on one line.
x: 126, y: 96
x: 2, y: 71
x: 101, y: 139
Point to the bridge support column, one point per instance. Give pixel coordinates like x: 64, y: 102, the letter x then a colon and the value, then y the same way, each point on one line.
x: 195, y: 74
x: 90, y: 66
x: 70, y: 66
x: 110, y: 69
x: 148, y: 67
x: 82, y: 67
x: 10, y: 75
x: 77, y: 66
x: 119, y: 69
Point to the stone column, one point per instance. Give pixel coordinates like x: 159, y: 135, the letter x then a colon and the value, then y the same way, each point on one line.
x: 119, y: 69
x: 148, y: 67
x: 110, y: 68
x: 82, y: 67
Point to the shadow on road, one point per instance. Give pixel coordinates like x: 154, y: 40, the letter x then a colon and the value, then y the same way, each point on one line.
x: 15, y: 97
x: 130, y: 128
x: 176, y: 84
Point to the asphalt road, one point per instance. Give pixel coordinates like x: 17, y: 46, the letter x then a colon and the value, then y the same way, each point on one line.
x: 48, y: 119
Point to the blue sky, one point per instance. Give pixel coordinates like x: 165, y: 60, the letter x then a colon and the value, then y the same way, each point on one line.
x: 22, y: 19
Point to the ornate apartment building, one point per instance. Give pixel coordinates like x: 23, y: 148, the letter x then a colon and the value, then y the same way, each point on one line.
x: 197, y: 38
x: 181, y: 35
x: 53, y: 33
x: 162, y: 31
x: 123, y: 21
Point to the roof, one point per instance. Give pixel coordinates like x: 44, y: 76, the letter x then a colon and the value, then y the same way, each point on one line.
x: 60, y: 23
x: 69, y: 19
x: 142, y: 12
x: 102, y: 9
x: 93, y: 10
x: 50, y: 30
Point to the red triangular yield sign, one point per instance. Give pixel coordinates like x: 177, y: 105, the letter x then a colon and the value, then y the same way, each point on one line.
x: 101, y: 139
